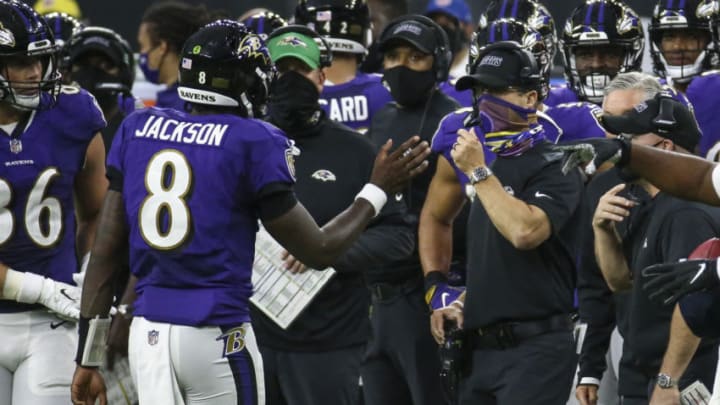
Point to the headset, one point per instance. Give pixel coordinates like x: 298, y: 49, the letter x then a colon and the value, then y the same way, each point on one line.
x: 529, y: 74
x: 442, y: 55
x: 325, y: 52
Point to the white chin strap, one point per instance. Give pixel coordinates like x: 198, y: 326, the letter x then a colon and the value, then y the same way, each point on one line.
x: 26, y: 102
x: 683, y: 73
x: 593, y: 86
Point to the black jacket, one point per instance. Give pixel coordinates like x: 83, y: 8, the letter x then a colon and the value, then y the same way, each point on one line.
x: 400, y: 124
x: 598, y: 307
x: 335, y: 163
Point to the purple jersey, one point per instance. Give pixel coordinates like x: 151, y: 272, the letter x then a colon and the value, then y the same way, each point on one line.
x: 355, y: 103
x: 464, y: 98
x: 565, y: 95
x: 446, y: 135
x: 579, y: 120
x: 37, y: 177
x: 190, y: 184
x: 560, y: 95
x: 701, y: 93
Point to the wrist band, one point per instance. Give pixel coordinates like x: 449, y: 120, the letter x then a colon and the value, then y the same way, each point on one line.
x: 13, y: 284
x: 434, y: 278
x: 23, y: 287
x: 92, y: 340
x: 374, y: 195
x: 83, y: 326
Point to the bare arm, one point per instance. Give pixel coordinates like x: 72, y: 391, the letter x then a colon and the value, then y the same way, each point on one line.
x: 681, y: 347
x: 90, y: 188
x: 608, y: 247
x: 444, y: 201
x: 682, y: 175
x: 680, y: 351
x: 611, y: 260
x: 524, y: 225
x: 110, y: 241
x: 318, y: 247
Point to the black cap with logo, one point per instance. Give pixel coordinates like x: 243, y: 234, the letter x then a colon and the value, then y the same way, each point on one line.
x: 416, y: 33
x: 662, y: 115
x: 502, y: 65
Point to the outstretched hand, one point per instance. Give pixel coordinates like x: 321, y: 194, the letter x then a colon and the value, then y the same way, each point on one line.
x: 392, y: 170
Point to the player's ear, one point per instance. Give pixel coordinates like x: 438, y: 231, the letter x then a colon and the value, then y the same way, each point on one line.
x: 163, y: 46
x: 531, y: 99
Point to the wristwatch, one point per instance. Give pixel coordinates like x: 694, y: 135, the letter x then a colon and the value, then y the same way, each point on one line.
x: 665, y: 381
x: 479, y: 174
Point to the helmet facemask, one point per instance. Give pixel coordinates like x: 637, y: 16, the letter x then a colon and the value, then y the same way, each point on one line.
x: 28, y: 95
x: 689, y: 67
x: 610, y: 35
x: 676, y: 28
x: 590, y: 78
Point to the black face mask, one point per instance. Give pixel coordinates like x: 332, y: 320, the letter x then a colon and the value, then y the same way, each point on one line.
x: 293, y: 103
x: 408, y: 87
x: 90, y: 77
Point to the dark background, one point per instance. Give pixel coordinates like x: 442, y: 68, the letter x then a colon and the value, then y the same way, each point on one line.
x: 124, y: 15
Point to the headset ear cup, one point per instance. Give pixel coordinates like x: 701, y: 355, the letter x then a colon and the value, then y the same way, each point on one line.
x: 525, y: 73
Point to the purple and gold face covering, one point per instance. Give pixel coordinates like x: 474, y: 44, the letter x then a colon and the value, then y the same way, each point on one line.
x: 509, y: 129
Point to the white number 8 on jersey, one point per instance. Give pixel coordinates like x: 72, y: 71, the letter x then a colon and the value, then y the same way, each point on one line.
x: 170, y: 198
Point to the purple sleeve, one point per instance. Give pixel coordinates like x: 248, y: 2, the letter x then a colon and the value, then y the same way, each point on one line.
x: 579, y: 120
x: 78, y: 113
x: 116, y: 154
x: 446, y: 135
x: 702, y: 93
x: 271, y: 159
x: 464, y: 98
x: 96, y: 118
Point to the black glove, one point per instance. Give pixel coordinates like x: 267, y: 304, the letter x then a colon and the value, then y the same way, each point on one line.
x: 667, y: 283
x: 593, y: 152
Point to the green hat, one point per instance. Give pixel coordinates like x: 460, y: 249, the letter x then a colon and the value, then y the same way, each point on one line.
x: 296, y: 45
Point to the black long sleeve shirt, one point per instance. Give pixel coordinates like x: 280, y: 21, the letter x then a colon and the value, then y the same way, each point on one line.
x: 335, y: 163
x: 400, y: 124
